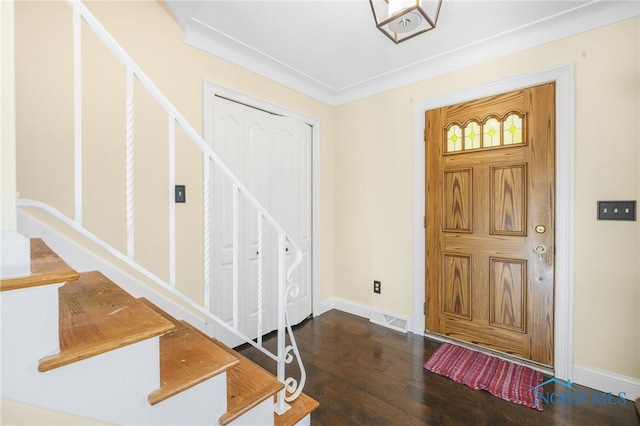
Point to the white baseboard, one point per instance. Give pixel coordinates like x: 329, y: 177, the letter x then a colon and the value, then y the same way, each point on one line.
x: 605, y: 381
x: 398, y: 322
x: 323, y: 307
x: 352, y: 308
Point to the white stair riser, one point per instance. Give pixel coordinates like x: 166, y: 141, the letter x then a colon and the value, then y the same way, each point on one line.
x: 29, y: 326
x: 260, y: 415
x: 112, y: 386
x: 202, y: 404
x: 306, y: 421
x: 16, y: 255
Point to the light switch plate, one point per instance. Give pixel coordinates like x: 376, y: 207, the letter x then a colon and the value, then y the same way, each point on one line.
x: 181, y: 195
x: 617, y: 210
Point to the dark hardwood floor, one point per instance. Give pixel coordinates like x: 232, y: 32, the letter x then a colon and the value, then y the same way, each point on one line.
x: 365, y: 374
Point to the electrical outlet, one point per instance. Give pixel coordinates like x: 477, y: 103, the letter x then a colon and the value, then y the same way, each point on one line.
x: 617, y: 210
x: 181, y: 195
x: 376, y: 287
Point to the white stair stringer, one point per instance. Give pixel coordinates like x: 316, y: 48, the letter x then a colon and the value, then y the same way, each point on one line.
x: 111, y: 387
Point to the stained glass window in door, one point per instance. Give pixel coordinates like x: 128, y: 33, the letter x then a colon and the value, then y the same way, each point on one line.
x: 491, y: 132
x: 512, y: 133
x: 472, y: 135
x: 454, y: 138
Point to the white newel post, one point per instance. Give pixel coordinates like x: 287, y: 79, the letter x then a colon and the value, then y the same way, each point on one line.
x: 15, y: 259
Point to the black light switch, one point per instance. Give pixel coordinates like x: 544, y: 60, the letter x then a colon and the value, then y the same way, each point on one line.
x: 181, y: 196
x: 617, y: 210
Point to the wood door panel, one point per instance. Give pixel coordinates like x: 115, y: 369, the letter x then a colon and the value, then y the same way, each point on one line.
x: 457, y: 285
x: 509, y: 200
x: 489, y: 336
x: 484, y: 282
x: 494, y: 246
x: 457, y: 200
x: 508, y: 289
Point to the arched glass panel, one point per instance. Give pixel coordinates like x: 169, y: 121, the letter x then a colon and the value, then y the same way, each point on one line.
x: 472, y: 135
x: 454, y: 138
x: 512, y: 133
x: 491, y: 133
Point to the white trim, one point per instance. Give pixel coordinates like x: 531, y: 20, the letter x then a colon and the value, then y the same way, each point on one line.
x: 15, y: 256
x: 324, y: 307
x: 563, y: 75
x: 517, y: 40
x: 585, y: 17
x: 363, y: 311
x: 8, y: 176
x: 350, y: 307
x: 605, y: 381
x: 213, y: 89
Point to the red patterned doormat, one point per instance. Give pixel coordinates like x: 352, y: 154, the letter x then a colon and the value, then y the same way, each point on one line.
x: 511, y: 382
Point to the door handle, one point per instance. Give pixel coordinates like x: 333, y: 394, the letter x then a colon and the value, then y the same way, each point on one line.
x: 540, y: 249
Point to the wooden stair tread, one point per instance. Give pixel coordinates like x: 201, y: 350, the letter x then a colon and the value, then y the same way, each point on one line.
x: 302, y: 406
x: 248, y: 385
x: 46, y: 268
x: 96, y: 316
x: 187, y: 358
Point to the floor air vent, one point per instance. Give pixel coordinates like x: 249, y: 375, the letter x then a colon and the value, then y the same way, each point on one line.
x: 390, y: 321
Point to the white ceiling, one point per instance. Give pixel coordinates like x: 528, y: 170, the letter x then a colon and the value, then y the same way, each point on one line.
x: 331, y: 49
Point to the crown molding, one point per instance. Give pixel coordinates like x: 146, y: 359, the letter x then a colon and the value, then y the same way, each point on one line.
x: 584, y: 18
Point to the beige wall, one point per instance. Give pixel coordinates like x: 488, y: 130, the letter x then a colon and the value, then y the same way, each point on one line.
x: 45, y: 128
x: 374, y: 189
x: 366, y: 156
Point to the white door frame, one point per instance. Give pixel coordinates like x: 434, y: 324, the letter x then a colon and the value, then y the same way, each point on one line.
x: 563, y: 76
x: 213, y: 89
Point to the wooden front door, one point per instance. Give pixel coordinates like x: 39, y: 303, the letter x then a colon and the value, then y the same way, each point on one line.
x: 490, y: 223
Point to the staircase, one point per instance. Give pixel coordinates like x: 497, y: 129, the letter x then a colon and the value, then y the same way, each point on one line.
x: 78, y: 343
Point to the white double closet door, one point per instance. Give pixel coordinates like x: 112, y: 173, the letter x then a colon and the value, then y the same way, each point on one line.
x: 271, y: 155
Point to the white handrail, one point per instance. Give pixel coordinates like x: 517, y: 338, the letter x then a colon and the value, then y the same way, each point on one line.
x: 153, y: 90
x: 286, y: 288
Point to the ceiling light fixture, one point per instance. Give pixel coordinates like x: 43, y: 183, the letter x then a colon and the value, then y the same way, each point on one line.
x: 401, y: 20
